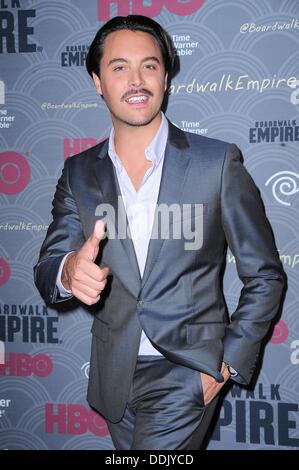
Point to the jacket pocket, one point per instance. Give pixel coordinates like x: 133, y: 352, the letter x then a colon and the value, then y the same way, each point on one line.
x: 100, y: 330
x: 205, y: 331
x: 199, y: 393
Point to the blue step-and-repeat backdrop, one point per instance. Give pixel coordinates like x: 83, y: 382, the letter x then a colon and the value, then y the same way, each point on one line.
x: 239, y: 81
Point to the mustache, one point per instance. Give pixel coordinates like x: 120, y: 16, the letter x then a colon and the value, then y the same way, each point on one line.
x: 143, y: 91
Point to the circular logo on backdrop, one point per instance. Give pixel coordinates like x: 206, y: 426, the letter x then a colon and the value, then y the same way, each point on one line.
x: 14, y: 173
x: 280, y: 333
x: 4, y: 271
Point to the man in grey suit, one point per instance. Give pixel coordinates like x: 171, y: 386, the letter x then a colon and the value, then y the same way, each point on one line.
x: 163, y: 344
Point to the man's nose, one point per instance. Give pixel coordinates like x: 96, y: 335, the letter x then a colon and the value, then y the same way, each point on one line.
x: 136, y: 78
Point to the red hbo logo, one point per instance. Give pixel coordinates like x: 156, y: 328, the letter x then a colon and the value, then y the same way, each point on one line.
x: 24, y: 365
x: 73, y: 419
x: 4, y: 271
x: 280, y: 333
x: 14, y: 172
x: 140, y: 7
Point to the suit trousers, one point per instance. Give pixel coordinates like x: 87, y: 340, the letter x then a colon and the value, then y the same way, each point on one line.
x: 165, y: 409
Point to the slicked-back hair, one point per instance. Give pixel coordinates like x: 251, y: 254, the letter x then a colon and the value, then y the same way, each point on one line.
x: 132, y: 23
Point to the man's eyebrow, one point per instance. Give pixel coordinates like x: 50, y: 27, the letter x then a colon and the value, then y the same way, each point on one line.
x: 117, y: 59
x: 153, y: 58
x: 123, y: 60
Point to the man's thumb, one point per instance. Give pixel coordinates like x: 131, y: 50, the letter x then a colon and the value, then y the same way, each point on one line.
x: 92, y: 244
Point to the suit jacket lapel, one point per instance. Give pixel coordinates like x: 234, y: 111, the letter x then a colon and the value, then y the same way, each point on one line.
x: 175, y: 165
x: 111, y: 194
x: 176, y: 162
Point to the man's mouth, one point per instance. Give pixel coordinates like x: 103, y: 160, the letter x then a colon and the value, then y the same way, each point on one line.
x: 137, y: 99
x: 137, y: 96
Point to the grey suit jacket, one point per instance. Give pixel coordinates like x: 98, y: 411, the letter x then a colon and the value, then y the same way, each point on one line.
x: 179, y: 301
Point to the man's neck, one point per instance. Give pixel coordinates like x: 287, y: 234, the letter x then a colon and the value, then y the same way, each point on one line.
x: 130, y: 141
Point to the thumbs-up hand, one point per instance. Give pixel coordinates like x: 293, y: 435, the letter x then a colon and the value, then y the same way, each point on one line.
x: 80, y: 274
x: 91, y: 246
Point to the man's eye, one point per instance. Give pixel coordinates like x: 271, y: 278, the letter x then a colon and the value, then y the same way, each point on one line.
x: 151, y: 66
x: 119, y: 67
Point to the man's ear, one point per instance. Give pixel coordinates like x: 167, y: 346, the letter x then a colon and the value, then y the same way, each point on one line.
x: 97, y: 83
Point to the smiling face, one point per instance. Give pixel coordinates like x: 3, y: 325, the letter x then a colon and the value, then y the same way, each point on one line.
x: 132, y: 78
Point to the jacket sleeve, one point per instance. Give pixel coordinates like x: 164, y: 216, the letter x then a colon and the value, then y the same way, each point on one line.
x: 249, y: 236
x: 64, y: 234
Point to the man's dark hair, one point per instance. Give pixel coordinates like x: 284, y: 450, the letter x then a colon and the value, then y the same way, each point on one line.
x: 132, y: 23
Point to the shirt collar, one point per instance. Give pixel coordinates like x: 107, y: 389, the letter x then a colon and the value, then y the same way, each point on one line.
x: 153, y: 152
